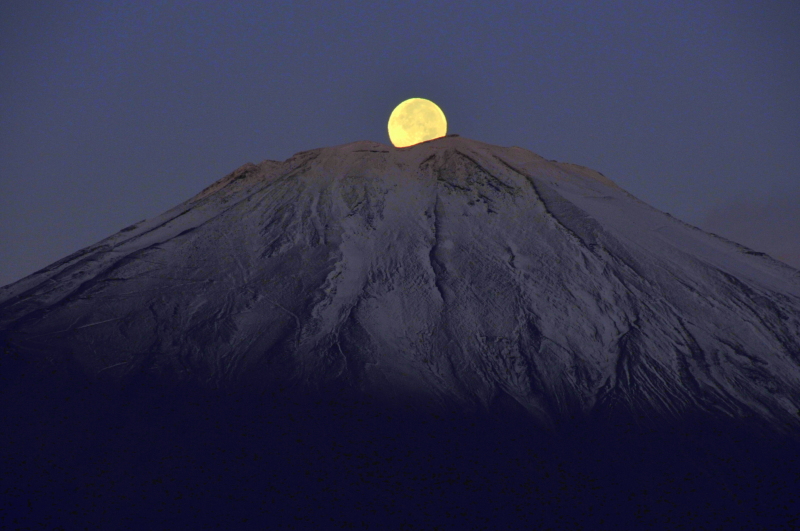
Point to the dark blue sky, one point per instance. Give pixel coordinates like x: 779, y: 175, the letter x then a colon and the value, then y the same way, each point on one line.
x: 114, y: 111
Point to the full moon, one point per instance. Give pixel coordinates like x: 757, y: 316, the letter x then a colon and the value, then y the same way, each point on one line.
x: 416, y: 120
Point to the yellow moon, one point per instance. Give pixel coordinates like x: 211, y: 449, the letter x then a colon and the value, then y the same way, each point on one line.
x: 416, y: 120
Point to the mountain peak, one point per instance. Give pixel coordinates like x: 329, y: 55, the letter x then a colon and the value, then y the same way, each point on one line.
x: 449, y: 272
x: 472, y: 330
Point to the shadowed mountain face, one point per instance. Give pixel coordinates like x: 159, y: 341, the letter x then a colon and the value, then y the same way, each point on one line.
x: 453, y: 279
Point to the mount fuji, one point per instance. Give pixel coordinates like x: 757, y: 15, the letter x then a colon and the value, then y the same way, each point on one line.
x: 384, y: 326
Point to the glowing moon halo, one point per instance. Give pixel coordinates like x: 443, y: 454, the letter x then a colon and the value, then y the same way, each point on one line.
x: 416, y: 120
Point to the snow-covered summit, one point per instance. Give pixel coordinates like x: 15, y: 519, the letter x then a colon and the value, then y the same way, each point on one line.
x: 449, y: 272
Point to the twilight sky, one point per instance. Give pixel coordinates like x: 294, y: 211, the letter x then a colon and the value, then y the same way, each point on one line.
x: 114, y: 111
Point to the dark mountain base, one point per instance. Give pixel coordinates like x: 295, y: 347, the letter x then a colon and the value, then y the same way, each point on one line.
x: 158, y: 456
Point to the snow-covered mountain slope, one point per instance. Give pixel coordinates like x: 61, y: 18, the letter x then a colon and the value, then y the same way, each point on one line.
x: 450, y: 272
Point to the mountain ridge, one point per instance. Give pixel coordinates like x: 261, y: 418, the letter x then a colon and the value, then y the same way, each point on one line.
x: 430, y: 230
x: 451, y: 335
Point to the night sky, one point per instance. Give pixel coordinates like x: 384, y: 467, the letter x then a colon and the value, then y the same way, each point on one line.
x: 113, y: 111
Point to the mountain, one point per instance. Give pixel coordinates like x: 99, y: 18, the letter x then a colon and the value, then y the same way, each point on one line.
x: 451, y: 280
